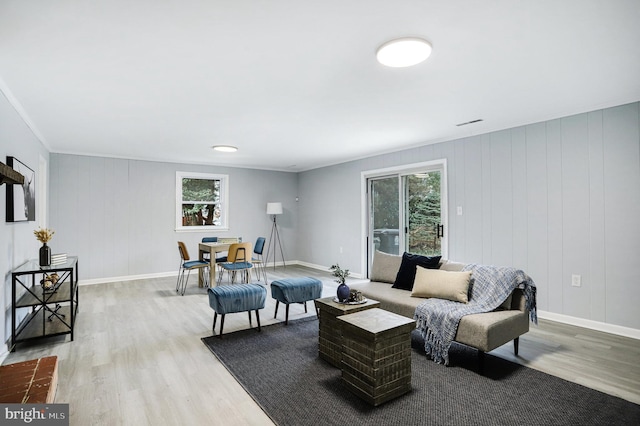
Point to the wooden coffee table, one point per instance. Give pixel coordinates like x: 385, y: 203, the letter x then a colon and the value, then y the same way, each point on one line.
x: 376, y: 355
x: 330, y: 337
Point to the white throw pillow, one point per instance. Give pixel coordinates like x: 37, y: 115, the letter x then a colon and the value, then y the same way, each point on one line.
x: 385, y: 267
x: 441, y: 284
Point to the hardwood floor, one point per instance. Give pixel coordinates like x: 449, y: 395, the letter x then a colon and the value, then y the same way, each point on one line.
x: 137, y: 358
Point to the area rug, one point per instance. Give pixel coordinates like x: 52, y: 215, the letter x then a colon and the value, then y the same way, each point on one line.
x: 280, y: 368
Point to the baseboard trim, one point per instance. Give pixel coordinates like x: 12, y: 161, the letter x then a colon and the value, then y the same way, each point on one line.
x: 4, y: 354
x: 106, y: 280
x: 127, y: 278
x: 144, y: 276
x: 590, y: 324
x: 323, y: 268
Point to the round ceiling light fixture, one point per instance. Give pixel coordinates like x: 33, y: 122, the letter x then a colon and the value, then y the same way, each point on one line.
x: 403, y: 52
x: 225, y: 148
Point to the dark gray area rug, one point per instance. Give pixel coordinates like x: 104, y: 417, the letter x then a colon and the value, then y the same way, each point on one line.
x: 281, y: 370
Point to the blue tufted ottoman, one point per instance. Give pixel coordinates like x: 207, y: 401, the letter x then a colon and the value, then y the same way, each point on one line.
x: 295, y: 290
x: 227, y: 299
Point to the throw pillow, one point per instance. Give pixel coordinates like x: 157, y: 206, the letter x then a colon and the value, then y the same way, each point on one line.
x: 385, y: 267
x: 407, y: 272
x: 442, y: 284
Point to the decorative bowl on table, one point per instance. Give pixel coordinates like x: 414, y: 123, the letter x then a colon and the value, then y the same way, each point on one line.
x: 355, y: 298
x: 360, y: 302
x: 49, y: 282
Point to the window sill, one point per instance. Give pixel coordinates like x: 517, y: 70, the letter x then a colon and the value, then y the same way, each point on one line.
x: 202, y: 229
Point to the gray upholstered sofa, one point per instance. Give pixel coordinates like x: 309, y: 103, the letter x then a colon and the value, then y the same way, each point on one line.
x: 484, y: 331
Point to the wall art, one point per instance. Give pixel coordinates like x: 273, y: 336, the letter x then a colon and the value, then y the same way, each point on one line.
x: 21, y: 199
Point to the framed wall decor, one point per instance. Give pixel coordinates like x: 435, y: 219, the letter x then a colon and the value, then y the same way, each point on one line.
x: 21, y: 200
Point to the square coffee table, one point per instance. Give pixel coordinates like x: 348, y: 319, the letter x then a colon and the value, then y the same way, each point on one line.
x: 330, y: 337
x: 376, y: 354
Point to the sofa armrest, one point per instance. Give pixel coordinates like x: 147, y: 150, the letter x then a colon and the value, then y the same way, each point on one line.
x: 518, y: 301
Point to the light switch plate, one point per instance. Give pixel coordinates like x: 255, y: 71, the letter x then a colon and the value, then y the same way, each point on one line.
x: 576, y: 280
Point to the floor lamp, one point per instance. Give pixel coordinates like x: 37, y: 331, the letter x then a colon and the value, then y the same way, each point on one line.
x: 274, y: 209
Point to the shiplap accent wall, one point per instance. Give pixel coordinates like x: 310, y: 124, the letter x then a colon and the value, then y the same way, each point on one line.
x: 556, y: 198
x: 118, y: 215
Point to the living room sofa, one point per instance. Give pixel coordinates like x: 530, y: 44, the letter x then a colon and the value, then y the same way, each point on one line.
x: 483, y: 331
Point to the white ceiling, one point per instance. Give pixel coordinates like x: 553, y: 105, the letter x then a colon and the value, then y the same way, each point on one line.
x: 295, y: 84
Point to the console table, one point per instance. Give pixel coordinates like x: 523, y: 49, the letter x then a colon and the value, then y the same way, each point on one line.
x: 51, y: 312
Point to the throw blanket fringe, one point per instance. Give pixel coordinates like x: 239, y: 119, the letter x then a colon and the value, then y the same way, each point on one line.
x: 490, y: 286
x: 530, y: 302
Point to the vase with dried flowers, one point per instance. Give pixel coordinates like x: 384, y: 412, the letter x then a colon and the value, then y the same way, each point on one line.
x: 44, y: 236
x: 342, y: 292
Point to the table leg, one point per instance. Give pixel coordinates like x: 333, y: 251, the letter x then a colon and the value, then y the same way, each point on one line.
x: 212, y: 271
x: 212, y: 268
x: 200, y: 272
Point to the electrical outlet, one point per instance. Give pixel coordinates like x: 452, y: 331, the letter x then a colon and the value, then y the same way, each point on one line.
x: 340, y: 249
x: 576, y: 280
x: 459, y: 210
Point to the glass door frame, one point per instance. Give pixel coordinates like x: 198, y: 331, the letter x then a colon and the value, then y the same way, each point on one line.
x: 400, y: 171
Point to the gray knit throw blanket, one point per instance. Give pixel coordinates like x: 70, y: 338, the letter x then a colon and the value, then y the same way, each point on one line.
x: 490, y: 286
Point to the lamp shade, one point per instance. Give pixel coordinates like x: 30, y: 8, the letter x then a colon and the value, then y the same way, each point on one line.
x: 274, y: 208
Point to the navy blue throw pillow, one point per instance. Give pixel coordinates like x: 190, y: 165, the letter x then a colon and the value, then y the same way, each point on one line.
x: 407, y: 272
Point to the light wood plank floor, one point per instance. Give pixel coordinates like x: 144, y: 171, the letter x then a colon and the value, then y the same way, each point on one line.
x: 137, y: 357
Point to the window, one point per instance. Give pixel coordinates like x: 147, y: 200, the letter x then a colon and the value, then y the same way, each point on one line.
x: 201, y: 201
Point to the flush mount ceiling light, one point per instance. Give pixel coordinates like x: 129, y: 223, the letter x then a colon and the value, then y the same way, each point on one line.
x: 224, y: 148
x: 403, y: 52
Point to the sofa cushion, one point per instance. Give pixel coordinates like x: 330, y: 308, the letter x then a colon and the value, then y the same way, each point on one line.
x: 441, y: 284
x: 385, y: 267
x: 487, y: 331
x: 407, y: 271
x: 452, y: 266
x: 391, y: 299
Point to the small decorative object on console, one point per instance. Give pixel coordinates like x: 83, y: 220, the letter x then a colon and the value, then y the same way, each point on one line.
x: 343, y: 292
x: 44, y: 236
x: 355, y: 296
x: 58, y: 258
x: 49, y: 282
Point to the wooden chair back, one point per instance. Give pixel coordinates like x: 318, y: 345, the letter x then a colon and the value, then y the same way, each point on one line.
x: 184, y: 254
x: 239, y: 252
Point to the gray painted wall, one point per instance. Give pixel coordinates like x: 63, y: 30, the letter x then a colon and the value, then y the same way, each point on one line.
x: 118, y: 215
x: 17, y: 239
x: 555, y: 199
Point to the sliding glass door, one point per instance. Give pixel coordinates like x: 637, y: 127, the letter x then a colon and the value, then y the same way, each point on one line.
x: 385, y: 214
x: 407, y: 210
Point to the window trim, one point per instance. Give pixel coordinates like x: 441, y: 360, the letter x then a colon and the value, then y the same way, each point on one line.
x: 224, y: 201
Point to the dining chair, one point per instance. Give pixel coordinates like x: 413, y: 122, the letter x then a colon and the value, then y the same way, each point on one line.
x: 186, y: 264
x: 258, y: 260
x: 238, y: 261
x: 207, y: 256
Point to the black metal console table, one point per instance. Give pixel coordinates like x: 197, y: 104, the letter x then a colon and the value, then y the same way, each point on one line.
x: 52, y: 311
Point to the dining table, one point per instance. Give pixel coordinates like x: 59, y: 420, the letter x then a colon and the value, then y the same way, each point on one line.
x: 212, y: 249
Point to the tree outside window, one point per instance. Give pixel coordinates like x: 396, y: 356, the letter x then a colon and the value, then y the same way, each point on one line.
x: 201, y: 201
